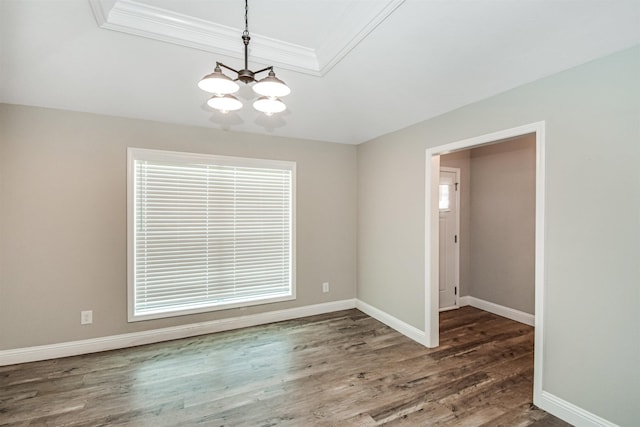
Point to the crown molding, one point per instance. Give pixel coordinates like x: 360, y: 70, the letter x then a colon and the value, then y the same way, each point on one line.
x: 141, y: 19
x: 355, y: 26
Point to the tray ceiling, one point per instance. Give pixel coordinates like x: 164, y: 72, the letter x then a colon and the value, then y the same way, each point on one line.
x: 357, y: 69
x: 331, y: 28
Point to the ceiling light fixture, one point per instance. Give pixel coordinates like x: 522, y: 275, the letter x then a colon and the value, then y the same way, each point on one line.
x: 271, y: 88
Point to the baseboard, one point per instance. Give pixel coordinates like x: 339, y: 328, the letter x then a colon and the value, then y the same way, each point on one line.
x: 548, y: 402
x: 554, y: 405
x: 571, y: 413
x: 500, y: 310
x: 74, y: 348
x: 393, y: 322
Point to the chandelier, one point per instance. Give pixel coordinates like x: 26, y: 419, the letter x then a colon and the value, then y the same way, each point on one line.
x: 222, y: 87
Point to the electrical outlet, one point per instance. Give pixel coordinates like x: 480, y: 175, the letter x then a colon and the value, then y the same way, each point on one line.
x: 86, y: 317
x: 325, y: 287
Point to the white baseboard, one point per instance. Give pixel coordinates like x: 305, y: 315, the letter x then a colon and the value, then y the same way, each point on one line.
x: 393, y: 322
x: 500, y: 310
x: 571, y: 413
x: 548, y: 402
x: 74, y: 348
x: 554, y: 405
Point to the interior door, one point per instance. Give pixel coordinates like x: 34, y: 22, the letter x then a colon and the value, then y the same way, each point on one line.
x: 449, y: 252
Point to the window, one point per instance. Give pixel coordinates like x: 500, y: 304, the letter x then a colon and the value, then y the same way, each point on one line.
x: 208, y: 232
x: 443, y: 202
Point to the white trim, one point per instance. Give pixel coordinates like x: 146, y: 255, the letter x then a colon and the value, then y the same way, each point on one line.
x: 432, y: 166
x: 500, y: 310
x: 100, y: 11
x: 432, y: 249
x: 571, y: 413
x: 132, y: 17
x: 548, y: 402
x: 539, y: 261
x: 113, y: 342
x: 356, y: 23
x: 393, y: 322
x: 343, y: 38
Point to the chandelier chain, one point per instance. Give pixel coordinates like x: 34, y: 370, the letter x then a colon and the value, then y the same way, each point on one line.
x: 246, y: 18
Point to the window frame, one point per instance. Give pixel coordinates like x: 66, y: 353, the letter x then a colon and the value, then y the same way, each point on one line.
x: 134, y: 154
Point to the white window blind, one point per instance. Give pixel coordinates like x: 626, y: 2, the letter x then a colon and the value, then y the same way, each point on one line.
x: 209, y: 232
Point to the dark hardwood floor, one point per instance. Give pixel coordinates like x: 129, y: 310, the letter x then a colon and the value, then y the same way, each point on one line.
x: 343, y: 369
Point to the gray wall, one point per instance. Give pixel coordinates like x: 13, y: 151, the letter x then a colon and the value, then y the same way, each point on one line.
x: 592, y: 237
x: 462, y: 161
x: 63, y: 219
x: 502, y: 211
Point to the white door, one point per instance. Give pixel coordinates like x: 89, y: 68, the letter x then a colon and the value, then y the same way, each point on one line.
x: 449, y: 247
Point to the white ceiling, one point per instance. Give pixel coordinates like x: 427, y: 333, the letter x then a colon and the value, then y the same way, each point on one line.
x: 380, y: 65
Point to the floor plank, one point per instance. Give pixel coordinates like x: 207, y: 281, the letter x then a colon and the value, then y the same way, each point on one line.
x: 335, y: 369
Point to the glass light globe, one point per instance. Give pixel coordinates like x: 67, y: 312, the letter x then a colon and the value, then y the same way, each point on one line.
x: 269, y: 106
x: 225, y: 103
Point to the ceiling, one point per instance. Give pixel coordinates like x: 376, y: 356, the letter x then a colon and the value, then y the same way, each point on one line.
x: 357, y: 68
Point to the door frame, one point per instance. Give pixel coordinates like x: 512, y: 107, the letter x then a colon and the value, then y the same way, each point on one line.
x: 456, y: 273
x: 432, y: 244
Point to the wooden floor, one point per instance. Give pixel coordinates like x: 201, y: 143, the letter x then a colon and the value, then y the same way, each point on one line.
x: 343, y: 369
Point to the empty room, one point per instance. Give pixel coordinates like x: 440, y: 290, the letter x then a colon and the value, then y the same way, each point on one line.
x: 319, y: 213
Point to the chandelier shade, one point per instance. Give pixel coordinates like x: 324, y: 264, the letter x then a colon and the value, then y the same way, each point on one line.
x: 218, y: 83
x: 225, y: 103
x: 222, y: 86
x: 271, y: 86
x: 269, y: 105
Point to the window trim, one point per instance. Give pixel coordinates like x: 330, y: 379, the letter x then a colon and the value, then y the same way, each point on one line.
x: 134, y: 154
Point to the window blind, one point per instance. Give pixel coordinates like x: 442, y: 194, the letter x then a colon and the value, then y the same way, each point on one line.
x: 210, y: 235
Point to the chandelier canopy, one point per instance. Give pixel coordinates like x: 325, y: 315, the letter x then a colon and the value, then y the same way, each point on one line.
x: 222, y: 87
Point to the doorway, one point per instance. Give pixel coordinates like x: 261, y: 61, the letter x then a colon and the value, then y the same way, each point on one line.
x: 449, y: 230
x: 432, y: 243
